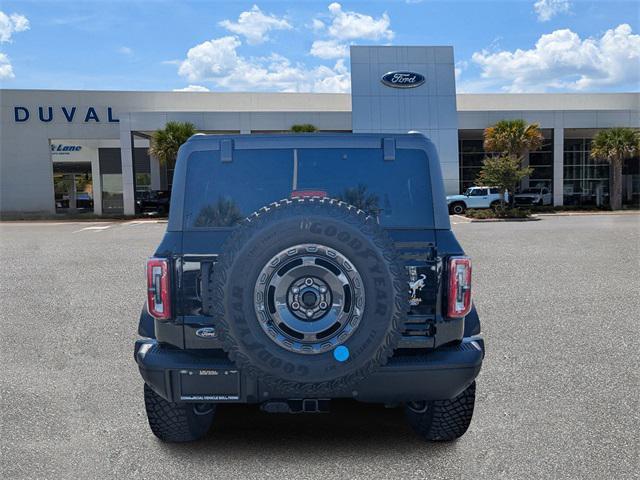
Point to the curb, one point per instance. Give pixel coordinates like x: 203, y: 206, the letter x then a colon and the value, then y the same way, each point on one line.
x: 494, y: 220
x: 577, y: 214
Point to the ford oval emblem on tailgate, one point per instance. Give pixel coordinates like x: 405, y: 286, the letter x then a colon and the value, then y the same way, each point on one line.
x: 208, y: 332
x: 402, y: 79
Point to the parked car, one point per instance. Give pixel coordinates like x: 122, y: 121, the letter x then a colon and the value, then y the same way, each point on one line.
x: 475, y: 197
x: 334, y: 275
x: 84, y: 200
x: 534, y: 196
x: 154, y: 201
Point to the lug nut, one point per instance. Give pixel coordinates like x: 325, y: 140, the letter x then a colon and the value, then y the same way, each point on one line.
x: 323, y: 289
x: 295, y: 290
x: 295, y: 305
x: 309, y: 313
x: 323, y: 305
x: 308, y: 282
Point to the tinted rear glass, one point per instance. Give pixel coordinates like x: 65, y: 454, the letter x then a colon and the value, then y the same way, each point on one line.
x: 396, y: 192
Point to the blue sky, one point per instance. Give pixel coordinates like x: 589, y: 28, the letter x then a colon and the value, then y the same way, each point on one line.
x: 514, y: 46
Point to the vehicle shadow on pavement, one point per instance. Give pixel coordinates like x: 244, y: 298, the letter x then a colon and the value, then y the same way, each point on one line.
x: 350, y: 424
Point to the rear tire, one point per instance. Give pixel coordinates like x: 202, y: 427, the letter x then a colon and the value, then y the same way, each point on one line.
x: 458, y: 208
x: 177, y: 422
x: 442, y: 420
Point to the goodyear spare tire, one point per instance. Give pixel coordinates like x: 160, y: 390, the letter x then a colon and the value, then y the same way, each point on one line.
x: 309, y: 295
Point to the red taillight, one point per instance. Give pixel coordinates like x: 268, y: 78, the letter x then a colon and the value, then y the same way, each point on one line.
x: 459, y: 287
x: 158, y: 290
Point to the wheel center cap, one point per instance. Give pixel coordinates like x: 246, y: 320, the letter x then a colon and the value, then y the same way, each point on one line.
x: 309, y: 298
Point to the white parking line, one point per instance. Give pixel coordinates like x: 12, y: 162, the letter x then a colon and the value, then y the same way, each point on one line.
x: 458, y: 219
x: 134, y: 223
x: 95, y: 228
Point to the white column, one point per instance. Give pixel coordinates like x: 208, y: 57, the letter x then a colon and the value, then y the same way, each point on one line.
x: 558, y: 166
x: 126, y: 157
x: 96, y: 181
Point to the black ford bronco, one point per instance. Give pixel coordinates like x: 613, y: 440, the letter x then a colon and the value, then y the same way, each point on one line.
x: 297, y: 269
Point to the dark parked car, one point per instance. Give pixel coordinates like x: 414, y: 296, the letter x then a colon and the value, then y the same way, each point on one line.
x: 155, y: 201
x: 297, y: 269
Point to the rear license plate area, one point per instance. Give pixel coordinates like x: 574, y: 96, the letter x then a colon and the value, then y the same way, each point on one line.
x: 209, y: 385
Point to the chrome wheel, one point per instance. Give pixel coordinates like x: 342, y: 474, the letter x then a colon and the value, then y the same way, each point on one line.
x: 309, y: 298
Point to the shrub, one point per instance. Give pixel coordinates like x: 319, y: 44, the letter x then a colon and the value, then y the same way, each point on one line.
x: 498, y: 213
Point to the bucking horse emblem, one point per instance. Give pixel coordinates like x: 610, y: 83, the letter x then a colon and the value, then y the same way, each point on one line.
x: 414, y: 289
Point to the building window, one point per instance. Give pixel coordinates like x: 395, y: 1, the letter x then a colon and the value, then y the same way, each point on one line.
x: 472, y: 155
x: 542, y: 163
x: 586, y: 181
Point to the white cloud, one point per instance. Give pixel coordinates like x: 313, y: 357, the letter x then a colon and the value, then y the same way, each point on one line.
x: 547, y: 9
x: 460, y: 66
x: 6, y: 70
x: 125, y: 51
x: 329, y: 49
x: 10, y: 24
x: 562, y: 60
x: 347, y: 25
x: 192, y: 88
x: 254, y: 25
x: 218, y: 62
x: 210, y: 59
x: 317, y: 25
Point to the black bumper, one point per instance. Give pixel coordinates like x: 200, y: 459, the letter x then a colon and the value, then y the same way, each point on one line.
x: 192, y: 376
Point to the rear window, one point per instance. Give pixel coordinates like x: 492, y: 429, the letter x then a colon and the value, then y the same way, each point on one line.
x: 396, y: 192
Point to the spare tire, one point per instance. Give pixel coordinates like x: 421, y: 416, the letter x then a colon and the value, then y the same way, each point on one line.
x: 309, y: 295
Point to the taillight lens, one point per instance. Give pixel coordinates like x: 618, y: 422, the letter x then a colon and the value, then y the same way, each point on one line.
x: 459, y: 287
x: 158, y: 288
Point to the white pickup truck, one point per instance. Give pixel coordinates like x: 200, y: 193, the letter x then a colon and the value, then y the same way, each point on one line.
x: 534, y: 196
x: 475, y: 197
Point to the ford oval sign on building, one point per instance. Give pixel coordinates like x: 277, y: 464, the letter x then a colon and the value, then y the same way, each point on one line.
x: 402, y: 79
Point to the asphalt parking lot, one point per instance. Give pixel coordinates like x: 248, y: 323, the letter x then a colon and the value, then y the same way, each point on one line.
x: 558, y: 396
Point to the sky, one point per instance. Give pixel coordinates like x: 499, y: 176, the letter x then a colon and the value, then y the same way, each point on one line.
x: 303, y: 46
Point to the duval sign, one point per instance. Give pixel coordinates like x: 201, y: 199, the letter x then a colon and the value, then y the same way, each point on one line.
x: 402, y: 79
x: 46, y: 114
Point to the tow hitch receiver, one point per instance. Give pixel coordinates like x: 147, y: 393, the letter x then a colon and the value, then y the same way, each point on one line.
x: 297, y: 405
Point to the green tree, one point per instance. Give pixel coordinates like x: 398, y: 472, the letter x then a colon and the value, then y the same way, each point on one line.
x: 303, y: 127
x: 166, y: 142
x: 360, y: 198
x: 223, y: 213
x: 504, y: 172
x: 615, y: 145
x: 514, y: 138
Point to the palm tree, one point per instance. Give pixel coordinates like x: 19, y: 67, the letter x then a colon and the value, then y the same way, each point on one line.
x: 615, y: 145
x: 166, y: 142
x: 515, y: 138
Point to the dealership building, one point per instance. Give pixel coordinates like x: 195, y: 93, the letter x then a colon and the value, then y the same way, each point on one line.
x: 69, y: 151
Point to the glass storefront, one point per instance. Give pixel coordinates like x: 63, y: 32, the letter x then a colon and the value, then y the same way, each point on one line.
x: 73, y: 187
x: 586, y: 180
x: 111, y: 176
x: 542, y: 163
x: 472, y: 155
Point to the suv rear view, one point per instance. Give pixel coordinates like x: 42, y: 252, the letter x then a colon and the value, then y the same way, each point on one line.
x: 297, y: 269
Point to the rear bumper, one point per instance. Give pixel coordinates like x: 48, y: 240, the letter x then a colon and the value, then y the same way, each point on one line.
x: 191, y: 376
